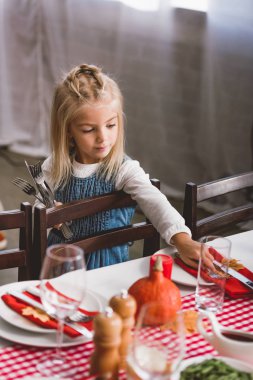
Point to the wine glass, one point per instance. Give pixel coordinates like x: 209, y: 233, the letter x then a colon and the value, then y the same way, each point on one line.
x: 62, y: 289
x: 157, y: 348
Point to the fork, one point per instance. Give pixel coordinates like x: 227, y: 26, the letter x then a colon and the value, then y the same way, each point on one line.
x: 26, y: 187
x: 30, y: 190
x: 78, y: 316
x: 36, y: 173
x: 46, y: 193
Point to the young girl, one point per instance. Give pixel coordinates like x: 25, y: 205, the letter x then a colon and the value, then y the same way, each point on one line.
x: 88, y: 159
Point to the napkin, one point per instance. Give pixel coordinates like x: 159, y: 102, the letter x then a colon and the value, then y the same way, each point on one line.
x: 40, y: 318
x: 233, y: 288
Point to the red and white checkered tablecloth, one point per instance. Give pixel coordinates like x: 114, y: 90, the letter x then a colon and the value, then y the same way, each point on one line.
x: 236, y: 314
x: 17, y: 361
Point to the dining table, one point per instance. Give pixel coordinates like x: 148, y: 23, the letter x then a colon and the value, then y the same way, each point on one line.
x: 18, y: 359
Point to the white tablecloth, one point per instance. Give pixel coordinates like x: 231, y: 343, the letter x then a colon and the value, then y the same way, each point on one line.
x: 108, y: 281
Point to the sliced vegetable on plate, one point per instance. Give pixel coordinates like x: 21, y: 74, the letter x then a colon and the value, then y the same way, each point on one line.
x: 213, y: 369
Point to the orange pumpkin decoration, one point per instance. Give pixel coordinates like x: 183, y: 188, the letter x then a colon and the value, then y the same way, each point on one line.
x: 158, y: 288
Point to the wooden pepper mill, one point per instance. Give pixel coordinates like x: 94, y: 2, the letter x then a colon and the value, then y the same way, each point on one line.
x: 125, y: 306
x: 107, y: 337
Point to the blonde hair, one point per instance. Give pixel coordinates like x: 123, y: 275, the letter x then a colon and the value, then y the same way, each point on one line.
x: 85, y: 84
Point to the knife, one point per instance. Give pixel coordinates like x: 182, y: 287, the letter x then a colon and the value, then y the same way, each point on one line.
x: 246, y: 281
x: 81, y: 329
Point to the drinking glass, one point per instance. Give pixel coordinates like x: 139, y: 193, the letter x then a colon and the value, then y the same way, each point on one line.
x: 62, y: 289
x: 211, y: 281
x: 158, y: 343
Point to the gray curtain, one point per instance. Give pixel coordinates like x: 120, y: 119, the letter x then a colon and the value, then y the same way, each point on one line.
x: 187, y: 79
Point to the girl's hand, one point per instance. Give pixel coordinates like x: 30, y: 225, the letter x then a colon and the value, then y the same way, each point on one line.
x: 58, y: 226
x: 189, y: 250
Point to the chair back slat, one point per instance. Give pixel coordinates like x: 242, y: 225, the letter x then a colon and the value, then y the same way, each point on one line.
x: 224, y: 186
x: 116, y: 237
x: 218, y: 221
x: 20, y: 256
x: 89, y: 206
x: 12, y: 258
x: 12, y: 219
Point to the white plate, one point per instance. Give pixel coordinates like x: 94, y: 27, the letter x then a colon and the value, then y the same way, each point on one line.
x: 179, y: 275
x: 240, y: 251
x: 92, y: 302
x: 234, y: 363
x: 28, y: 338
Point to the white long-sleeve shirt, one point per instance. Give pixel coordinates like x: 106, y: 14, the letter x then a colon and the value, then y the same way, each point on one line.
x: 133, y: 180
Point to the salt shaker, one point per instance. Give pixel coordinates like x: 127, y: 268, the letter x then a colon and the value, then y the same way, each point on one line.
x: 125, y: 306
x: 107, y: 336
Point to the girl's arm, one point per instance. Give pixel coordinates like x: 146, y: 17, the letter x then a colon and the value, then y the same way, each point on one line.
x: 166, y: 219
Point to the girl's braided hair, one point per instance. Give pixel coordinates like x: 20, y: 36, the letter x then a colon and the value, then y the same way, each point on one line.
x: 85, y: 81
x: 83, y: 85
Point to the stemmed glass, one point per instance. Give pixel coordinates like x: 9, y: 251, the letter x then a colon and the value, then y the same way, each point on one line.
x: 62, y: 289
x: 158, y: 343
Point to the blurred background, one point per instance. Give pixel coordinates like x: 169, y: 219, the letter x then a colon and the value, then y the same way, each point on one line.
x: 186, y: 75
x: 185, y: 68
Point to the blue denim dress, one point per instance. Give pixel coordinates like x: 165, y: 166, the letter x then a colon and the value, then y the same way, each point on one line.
x: 81, y: 188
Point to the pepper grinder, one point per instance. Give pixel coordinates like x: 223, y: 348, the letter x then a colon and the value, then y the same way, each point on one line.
x: 107, y: 336
x: 125, y: 306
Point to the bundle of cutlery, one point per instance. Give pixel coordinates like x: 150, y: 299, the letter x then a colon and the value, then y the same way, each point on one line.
x: 41, y: 191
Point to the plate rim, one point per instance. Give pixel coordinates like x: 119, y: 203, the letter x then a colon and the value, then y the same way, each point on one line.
x: 36, y: 330
x: 192, y: 280
x: 20, y: 336
x: 12, y: 286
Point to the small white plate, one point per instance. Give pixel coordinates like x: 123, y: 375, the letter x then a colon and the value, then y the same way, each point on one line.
x: 236, y: 364
x: 179, y: 275
x: 92, y: 302
x: 29, y: 338
x: 182, y: 277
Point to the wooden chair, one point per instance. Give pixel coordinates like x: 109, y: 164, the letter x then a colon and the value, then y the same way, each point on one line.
x: 21, y: 256
x: 194, y: 194
x: 47, y: 218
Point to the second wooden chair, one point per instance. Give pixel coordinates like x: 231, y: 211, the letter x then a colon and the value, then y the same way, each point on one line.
x: 194, y: 194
